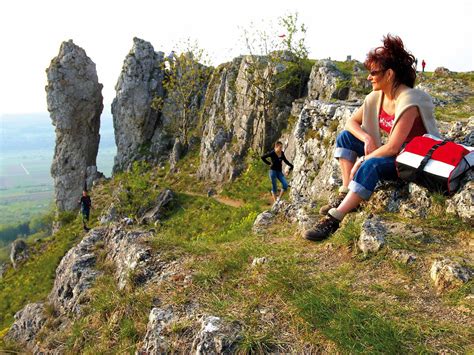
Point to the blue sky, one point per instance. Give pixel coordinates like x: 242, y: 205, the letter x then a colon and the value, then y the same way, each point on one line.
x: 32, y: 31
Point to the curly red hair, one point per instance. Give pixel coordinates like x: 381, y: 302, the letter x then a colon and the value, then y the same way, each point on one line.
x: 393, y: 55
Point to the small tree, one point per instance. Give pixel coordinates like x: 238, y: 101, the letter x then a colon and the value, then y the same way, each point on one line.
x: 294, y: 41
x: 269, y: 50
x: 186, y: 77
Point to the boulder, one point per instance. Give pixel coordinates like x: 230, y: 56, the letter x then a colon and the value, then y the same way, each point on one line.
x: 75, y: 104
x: 156, y: 212
x: 462, y: 203
x: 418, y: 202
x: 27, y: 324
x: 155, y: 342
x: 75, y: 274
x: 126, y: 249
x: 216, y: 337
x: 18, y: 252
x: 372, y: 236
x: 448, y: 274
x: 442, y: 71
x: 263, y: 221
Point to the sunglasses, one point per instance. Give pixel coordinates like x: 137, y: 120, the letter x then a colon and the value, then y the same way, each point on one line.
x: 375, y: 72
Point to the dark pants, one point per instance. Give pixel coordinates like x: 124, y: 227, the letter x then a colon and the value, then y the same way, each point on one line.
x: 85, y: 215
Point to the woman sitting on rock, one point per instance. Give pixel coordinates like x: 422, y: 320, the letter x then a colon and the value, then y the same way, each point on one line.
x: 394, y: 108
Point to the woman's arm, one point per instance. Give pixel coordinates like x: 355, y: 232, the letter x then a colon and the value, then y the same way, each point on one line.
x: 353, y: 125
x: 396, y: 140
x: 399, y: 134
x: 265, y: 157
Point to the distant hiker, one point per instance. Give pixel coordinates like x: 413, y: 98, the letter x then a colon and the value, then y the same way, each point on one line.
x: 394, y: 108
x: 86, y: 204
x: 416, y: 64
x: 277, y: 156
x: 423, y: 65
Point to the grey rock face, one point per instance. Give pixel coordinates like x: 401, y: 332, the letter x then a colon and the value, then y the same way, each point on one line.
x: 162, y: 202
x: 75, y: 274
x: 327, y: 82
x: 75, y: 103
x: 216, y: 337
x: 28, y: 323
x: 18, y: 252
x: 448, y: 274
x: 372, y: 236
x: 110, y: 215
x: 127, y: 251
x: 135, y: 121
x: 155, y: 342
x: 235, y: 121
x: 462, y: 203
x: 316, y: 172
x: 418, y: 202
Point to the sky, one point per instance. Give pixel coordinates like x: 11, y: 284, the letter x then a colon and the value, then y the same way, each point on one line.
x: 31, y: 32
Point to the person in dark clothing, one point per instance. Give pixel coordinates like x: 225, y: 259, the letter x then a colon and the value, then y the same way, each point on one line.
x: 277, y: 156
x: 86, y: 204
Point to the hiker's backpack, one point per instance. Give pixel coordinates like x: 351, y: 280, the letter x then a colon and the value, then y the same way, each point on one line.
x: 437, y: 164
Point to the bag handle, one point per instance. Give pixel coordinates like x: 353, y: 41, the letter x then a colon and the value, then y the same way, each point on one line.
x: 427, y: 157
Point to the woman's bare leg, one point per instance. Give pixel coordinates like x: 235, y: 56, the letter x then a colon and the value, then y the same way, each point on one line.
x: 346, y: 167
x: 350, y: 202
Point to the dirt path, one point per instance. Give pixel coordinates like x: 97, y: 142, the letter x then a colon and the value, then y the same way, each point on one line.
x: 221, y: 199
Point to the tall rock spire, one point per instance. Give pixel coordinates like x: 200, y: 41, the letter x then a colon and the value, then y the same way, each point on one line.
x: 75, y: 103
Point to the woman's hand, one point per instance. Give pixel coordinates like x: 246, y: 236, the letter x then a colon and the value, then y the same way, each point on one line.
x: 355, y: 168
x: 369, y: 145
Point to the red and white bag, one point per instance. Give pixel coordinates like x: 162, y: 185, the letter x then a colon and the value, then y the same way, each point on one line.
x: 434, y: 163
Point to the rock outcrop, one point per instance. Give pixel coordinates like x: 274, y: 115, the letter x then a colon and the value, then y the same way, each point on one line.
x: 236, y: 122
x: 372, y: 236
x: 216, y: 337
x: 75, y: 274
x: 131, y: 257
x: 447, y: 274
x: 316, y: 172
x: 135, y: 121
x: 28, y: 323
x: 18, y: 252
x: 75, y: 103
x: 212, y: 336
x: 155, y: 213
x: 326, y: 82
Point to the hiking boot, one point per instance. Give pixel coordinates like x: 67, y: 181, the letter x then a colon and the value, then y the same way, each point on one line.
x: 332, y: 204
x: 325, y: 227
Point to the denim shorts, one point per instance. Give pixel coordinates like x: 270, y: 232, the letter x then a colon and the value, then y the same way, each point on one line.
x: 371, y: 171
x: 278, y: 175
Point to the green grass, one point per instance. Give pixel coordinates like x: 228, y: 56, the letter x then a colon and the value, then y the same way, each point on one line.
x: 33, y: 280
x: 253, y: 185
x: 312, y: 293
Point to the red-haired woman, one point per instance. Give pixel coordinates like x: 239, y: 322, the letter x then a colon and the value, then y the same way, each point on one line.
x: 393, y: 108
